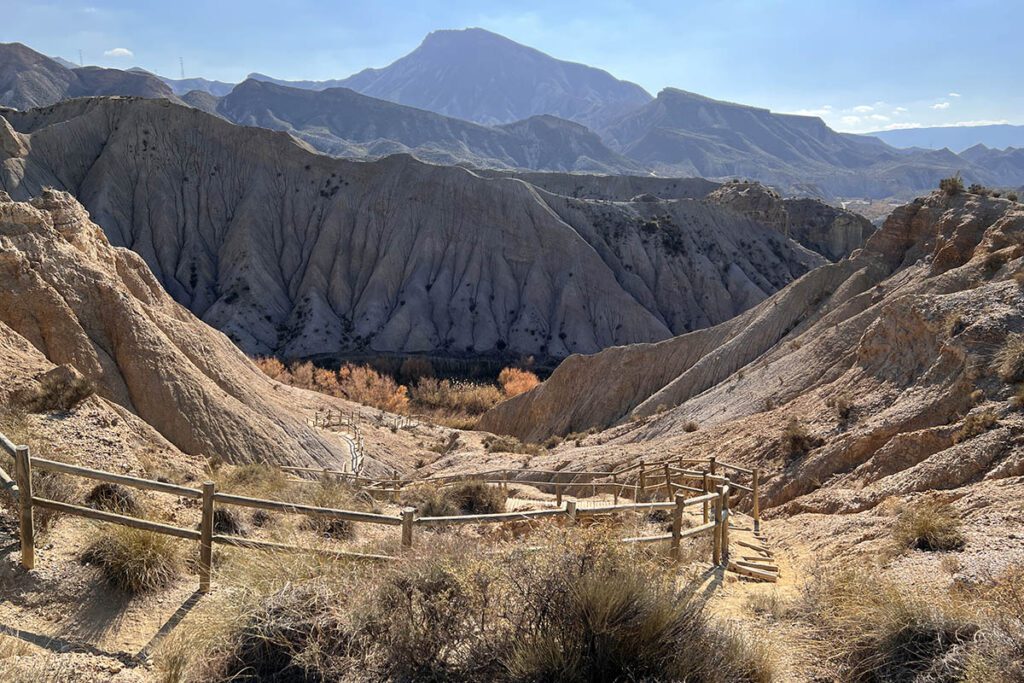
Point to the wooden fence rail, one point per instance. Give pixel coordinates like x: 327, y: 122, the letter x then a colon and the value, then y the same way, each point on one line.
x: 714, y: 497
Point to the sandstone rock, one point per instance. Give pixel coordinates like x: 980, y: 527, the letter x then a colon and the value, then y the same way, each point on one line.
x: 96, y: 310
x: 901, y: 335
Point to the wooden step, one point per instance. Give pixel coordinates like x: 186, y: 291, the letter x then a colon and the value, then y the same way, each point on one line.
x: 751, y: 573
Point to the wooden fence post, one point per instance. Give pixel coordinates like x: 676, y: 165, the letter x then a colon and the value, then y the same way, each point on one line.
x: 712, y: 465
x: 570, y: 510
x: 206, y: 537
x: 643, y: 479
x: 668, y: 481
x: 615, y: 489
x: 23, y: 475
x: 408, y: 516
x: 716, y: 553
x: 677, y: 524
x: 707, y: 490
x: 725, y: 524
x: 757, y: 501
x: 558, y: 495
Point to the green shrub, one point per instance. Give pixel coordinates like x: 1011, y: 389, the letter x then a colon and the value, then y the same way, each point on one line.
x: 929, y: 525
x: 135, y: 561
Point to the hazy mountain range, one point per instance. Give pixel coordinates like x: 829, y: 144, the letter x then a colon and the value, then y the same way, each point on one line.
x: 956, y: 138
x: 475, y: 98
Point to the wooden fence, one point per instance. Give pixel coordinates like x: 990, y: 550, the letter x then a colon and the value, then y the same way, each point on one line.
x: 328, y: 419
x: 713, y: 497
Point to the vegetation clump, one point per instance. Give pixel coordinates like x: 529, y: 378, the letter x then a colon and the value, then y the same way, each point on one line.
x: 57, y: 391
x: 1011, y: 359
x: 583, y: 610
x: 467, y: 498
x: 135, y: 561
x: 952, y: 186
x: 797, y: 441
x: 930, y: 525
x: 974, y: 424
x: 879, y: 632
x: 228, y: 521
x: 113, y: 498
x: 477, y: 498
x: 454, y: 402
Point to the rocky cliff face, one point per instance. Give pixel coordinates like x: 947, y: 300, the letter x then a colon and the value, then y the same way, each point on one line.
x: 299, y: 254
x: 830, y: 231
x: 892, y: 362
x: 72, y: 298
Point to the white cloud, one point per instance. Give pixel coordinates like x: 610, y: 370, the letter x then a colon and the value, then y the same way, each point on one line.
x: 878, y: 117
x: 941, y: 105
x: 900, y: 126
x: 982, y: 122
x: 119, y: 52
x: 850, y: 120
x: 956, y: 124
x: 900, y: 110
x: 824, y: 110
x: 863, y: 108
x: 953, y: 94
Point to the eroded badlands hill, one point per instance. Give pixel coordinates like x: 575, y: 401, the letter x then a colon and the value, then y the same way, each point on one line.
x: 70, y: 299
x: 297, y: 253
x: 898, y: 368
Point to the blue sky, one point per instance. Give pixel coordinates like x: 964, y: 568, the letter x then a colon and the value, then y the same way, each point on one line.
x: 861, y: 66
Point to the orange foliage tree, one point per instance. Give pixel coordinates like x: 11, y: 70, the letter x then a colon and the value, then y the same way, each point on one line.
x: 514, y: 381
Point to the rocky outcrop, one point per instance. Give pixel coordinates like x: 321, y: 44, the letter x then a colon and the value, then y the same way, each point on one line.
x: 754, y: 200
x: 832, y: 232
x: 299, y: 254
x: 70, y: 299
x: 889, y: 360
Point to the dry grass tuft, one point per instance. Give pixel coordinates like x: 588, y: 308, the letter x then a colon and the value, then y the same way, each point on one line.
x: 135, y: 561
x: 999, y: 657
x: 976, y: 424
x: 254, y: 479
x: 585, y: 610
x: 113, y: 498
x: 1010, y: 360
x: 509, y: 444
x: 227, y: 520
x: 56, y: 391
x: 796, y: 441
x: 880, y: 632
x: 52, y: 486
x: 929, y: 525
x: 467, y: 498
x: 476, y: 498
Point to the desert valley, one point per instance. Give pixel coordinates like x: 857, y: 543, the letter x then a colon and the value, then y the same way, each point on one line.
x: 490, y: 366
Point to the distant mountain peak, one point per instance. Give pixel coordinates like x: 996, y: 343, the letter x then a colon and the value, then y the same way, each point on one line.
x: 481, y: 76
